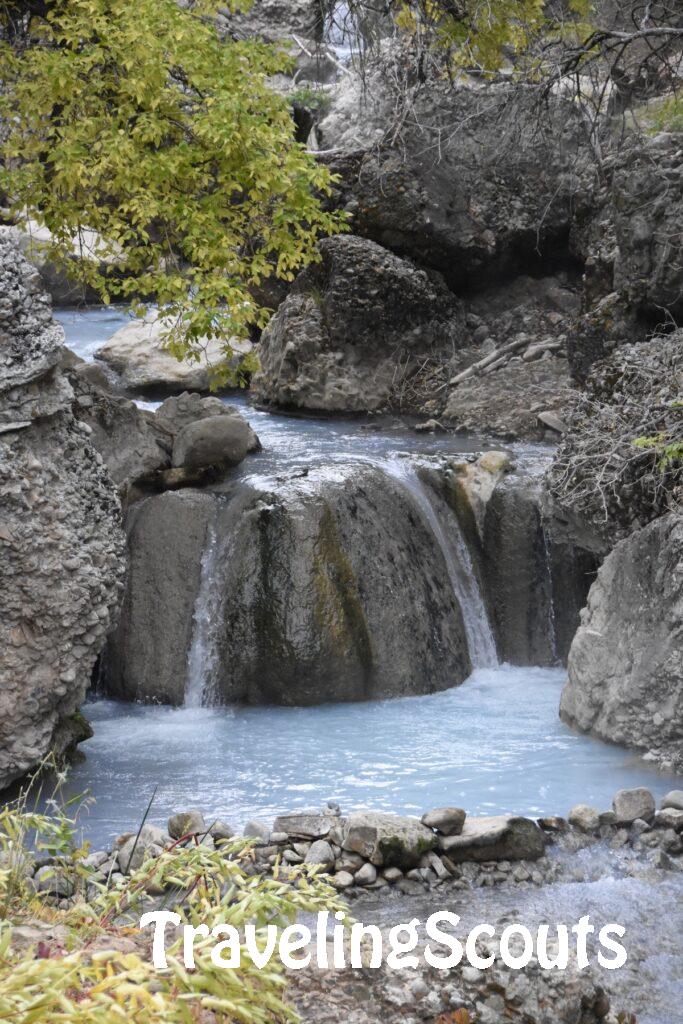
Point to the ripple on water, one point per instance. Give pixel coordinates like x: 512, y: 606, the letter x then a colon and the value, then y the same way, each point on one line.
x: 493, y: 744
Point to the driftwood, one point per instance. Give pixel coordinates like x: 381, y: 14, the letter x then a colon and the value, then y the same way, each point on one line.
x: 497, y: 357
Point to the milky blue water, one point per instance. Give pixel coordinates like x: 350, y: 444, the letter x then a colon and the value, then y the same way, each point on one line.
x: 493, y: 744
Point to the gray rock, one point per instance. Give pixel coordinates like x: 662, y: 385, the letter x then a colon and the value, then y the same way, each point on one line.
x: 305, y: 824
x: 334, y: 342
x: 552, y: 420
x: 180, y: 411
x: 584, y: 817
x: 392, y: 875
x: 625, y: 667
x: 404, y: 199
x: 316, y: 626
x: 367, y: 875
x: 62, y: 558
x: 648, y: 221
x: 214, y: 441
x: 274, y: 21
x: 95, y: 860
x: 136, y: 849
x: 256, y: 830
x: 135, y: 448
x: 54, y: 880
x: 146, y: 656
x: 33, y: 240
x: 220, y: 830
x: 387, y: 839
x: 320, y: 853
x: 504, y: 837
x: 674, y: 799
x: 631, y: 804
x: 663, y: 861
x: 349, y: 862
x: 186, y: 823
x: 448, y: 821
x: 669, y: 817
x: 533, y: 576
x: 435, y: 863
x: 138, y: 352
x: 342, y: 880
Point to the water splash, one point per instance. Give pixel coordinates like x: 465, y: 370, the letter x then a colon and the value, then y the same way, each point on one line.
x: 453, y: 546
x: 552, y: 628
x: 203, y: 658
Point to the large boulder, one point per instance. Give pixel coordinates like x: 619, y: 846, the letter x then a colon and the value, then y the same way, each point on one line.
x: 147, y: 654
x: 352, y: 328
x: 274, y: 20
x: 138, y: 353
x: 648, y: 221
x: 503, y: 837
x: 134, y: 444
x: 626, y: 662
x: 290, y: 609
x: 473, y: 181
x: 535, y: 580
x: 214, y: 441
x: 179, y: 411
x: 387, y: 840
x: 61, y: 542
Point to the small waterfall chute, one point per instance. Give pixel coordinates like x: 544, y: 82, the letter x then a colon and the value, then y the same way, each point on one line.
x: 203, y: 655
x: 456, y: 555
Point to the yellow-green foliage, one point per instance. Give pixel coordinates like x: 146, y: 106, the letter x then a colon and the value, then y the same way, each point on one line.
x: 486, y: 35
x: 479, y: 31
x: 88, y: 979
x: 666, y: 115
x: 135, y: 120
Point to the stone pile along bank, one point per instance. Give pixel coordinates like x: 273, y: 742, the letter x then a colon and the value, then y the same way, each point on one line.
x: 378, y: 852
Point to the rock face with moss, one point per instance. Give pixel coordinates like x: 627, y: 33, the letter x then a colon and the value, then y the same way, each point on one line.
x: 626, y: 661
x: 61, y: 543
x: 288, y: 606
x: 352, y: 328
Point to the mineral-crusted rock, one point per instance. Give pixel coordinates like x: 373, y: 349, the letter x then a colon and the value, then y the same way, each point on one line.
x: 61, y: 543
x: 626, y: 662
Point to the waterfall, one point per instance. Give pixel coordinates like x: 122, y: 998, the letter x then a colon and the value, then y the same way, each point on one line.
x: 341, y: 31
x: 552, y: 630
x: 203, y: 655
x: 480, y: 640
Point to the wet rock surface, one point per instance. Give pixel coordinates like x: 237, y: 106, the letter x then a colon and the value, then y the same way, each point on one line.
x: 298, y: 613
x: 60, y: 534
x: 147, y: 653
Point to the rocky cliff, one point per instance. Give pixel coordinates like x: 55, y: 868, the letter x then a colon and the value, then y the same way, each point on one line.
x: 61, y: 541
x: 626, y: 661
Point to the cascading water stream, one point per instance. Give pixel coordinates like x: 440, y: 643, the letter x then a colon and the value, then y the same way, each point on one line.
x: 203, y: 655
x: 552, y: 629
x: 480, y: 640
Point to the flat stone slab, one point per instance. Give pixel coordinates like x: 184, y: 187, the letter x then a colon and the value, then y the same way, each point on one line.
x: 503, y: 837
x: 306, y: 825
